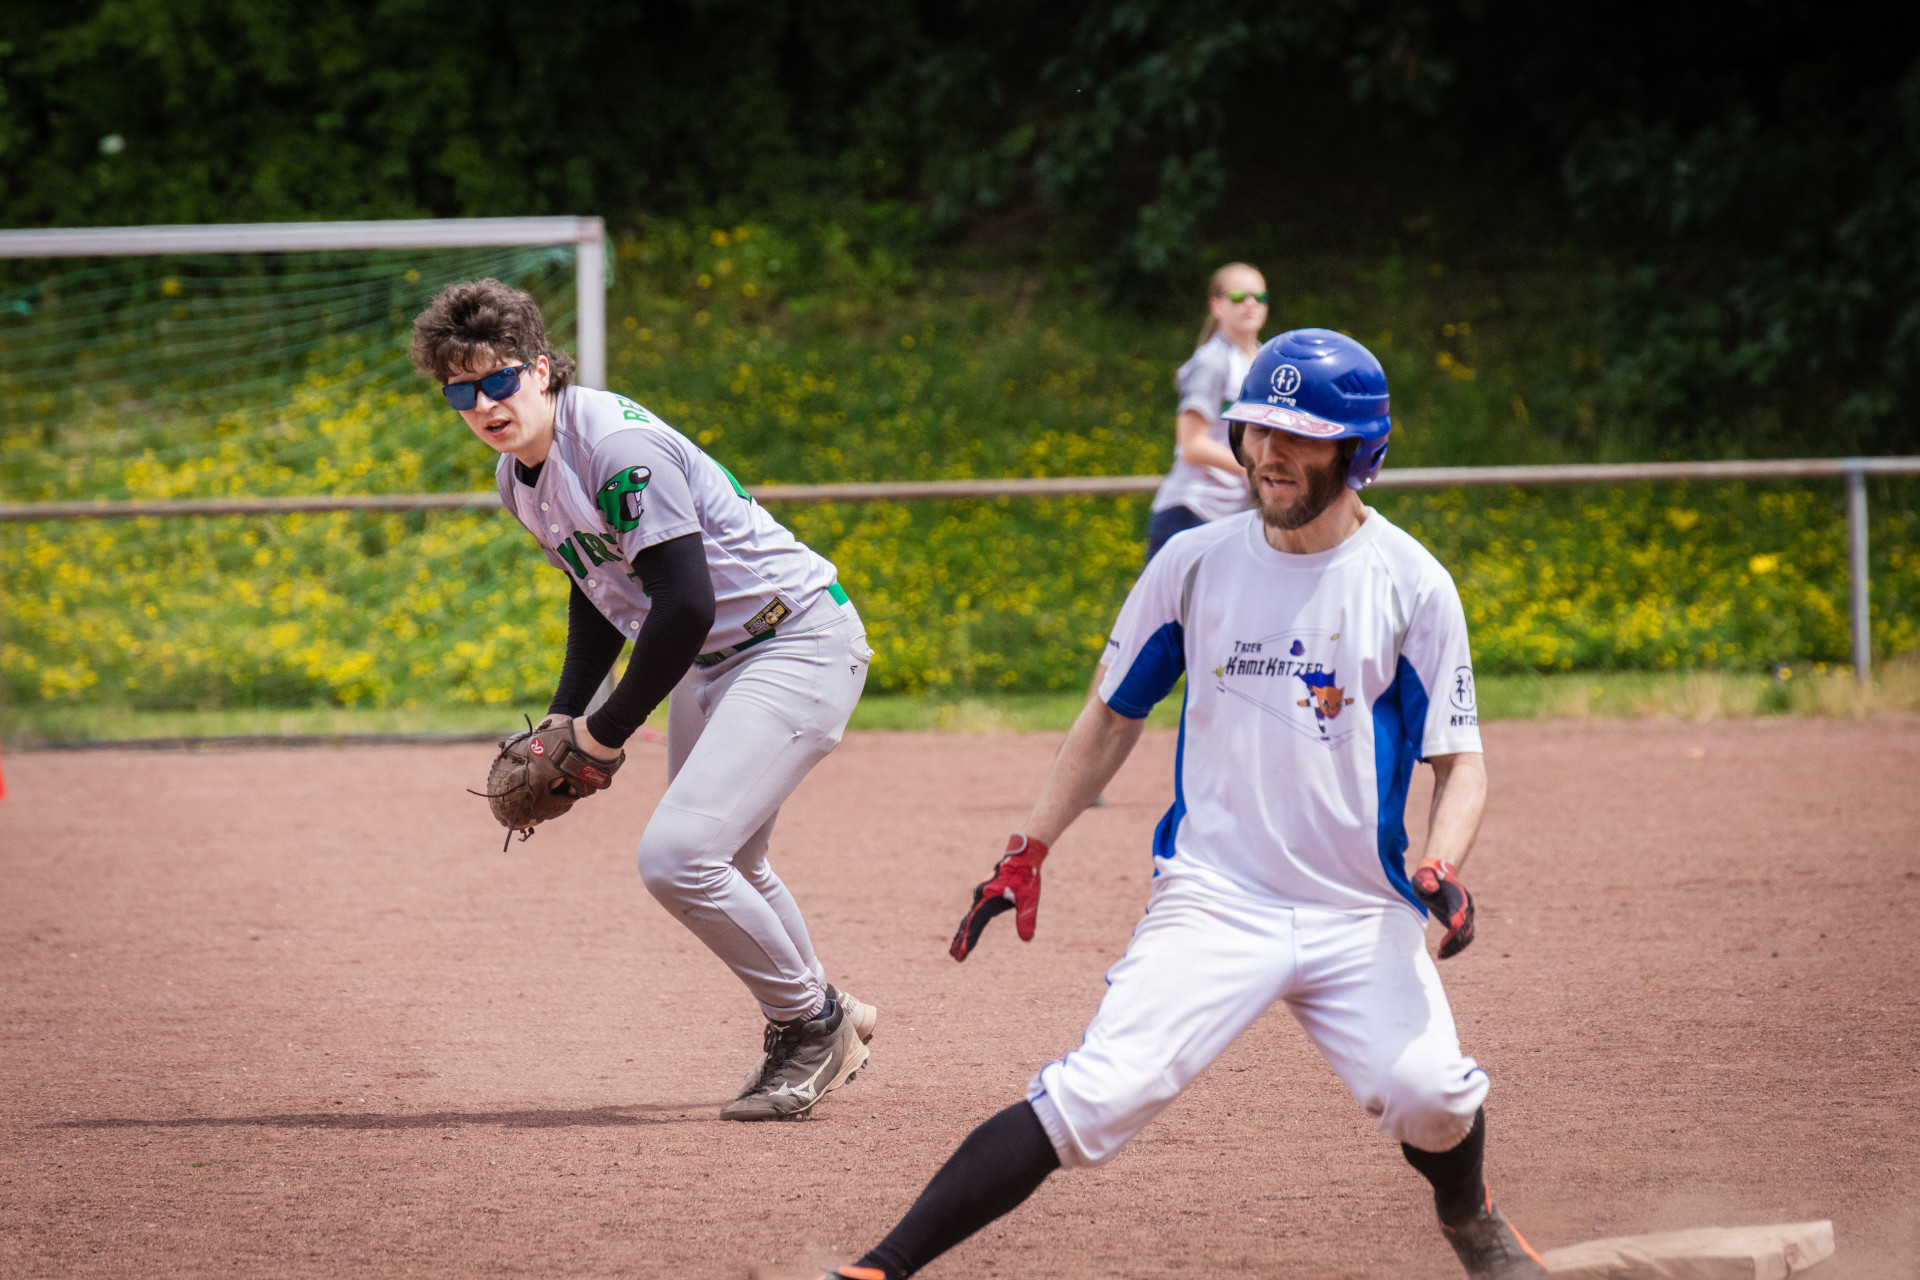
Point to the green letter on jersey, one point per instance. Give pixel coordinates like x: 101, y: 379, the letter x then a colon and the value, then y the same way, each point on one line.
x: 596, y: 549
x: 619, y: 498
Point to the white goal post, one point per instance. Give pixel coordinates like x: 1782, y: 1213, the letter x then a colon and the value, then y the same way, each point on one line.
x: 587, y: 235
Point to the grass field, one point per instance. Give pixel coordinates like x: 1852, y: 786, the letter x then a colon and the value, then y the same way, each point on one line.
x: 1701, y: 695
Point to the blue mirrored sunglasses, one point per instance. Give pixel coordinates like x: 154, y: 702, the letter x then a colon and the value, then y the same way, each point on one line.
x: 498, y: 386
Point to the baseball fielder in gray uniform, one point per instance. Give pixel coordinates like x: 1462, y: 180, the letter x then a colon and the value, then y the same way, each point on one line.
x: 764, y: 654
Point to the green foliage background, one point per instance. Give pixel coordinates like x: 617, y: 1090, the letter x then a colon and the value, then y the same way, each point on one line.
x: 1729, y: 188
x: 828, y: 354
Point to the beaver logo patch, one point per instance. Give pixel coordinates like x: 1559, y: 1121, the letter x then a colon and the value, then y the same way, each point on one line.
x: 619, y: 498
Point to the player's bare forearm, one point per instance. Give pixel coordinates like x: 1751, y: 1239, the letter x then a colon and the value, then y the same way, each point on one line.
x: 1459, y: 800
x: 1198, y: 448
x: 1096, y: 747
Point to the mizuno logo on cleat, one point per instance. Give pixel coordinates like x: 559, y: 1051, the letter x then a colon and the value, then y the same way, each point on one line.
x: 803, y: 1091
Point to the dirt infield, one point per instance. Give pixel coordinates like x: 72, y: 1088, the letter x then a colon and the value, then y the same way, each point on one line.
x: 294, y: 1012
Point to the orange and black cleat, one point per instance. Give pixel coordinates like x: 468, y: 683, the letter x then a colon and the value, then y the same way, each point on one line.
x: 1490, y: 1249
x: 851, y: 1272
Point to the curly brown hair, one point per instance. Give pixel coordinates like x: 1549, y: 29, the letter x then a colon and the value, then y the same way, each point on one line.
x: 476, y: 322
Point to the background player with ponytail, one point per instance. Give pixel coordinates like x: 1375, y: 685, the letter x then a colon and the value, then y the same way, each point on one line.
x: 1205, y: 482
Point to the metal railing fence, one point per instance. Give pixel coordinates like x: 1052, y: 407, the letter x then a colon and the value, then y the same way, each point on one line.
x: 1854, y: 471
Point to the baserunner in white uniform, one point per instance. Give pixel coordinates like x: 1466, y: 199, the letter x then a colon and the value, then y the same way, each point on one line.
x: 764, y: 654
x: 1325, y: 653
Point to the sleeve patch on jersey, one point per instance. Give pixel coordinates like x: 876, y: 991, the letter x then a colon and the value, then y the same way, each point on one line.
x: 619, y: 498
x: 1155, y: 670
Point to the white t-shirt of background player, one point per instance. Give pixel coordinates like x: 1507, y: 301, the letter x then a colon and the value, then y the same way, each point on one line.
x: 1314, y: 682
x: 1209, y: 382
x: 619, y: 480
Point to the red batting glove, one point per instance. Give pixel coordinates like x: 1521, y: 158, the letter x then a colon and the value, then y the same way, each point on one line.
x: 1451, y: 904
x: 1013, y: 886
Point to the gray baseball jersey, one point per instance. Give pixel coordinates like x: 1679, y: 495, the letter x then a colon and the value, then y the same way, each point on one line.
x: 619, y: 480
x: 1209, y: 381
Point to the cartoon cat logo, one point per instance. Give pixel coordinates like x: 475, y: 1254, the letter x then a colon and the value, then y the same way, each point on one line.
x: 619, y: 498
x: 1324, y: 696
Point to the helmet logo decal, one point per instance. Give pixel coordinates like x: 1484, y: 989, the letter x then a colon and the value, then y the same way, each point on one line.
x: 1286, y: 380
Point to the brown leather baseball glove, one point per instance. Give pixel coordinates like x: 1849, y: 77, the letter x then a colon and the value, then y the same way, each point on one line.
x: 540, y: 773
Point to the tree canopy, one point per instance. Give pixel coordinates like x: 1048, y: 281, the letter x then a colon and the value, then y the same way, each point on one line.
x: 1742, y: 177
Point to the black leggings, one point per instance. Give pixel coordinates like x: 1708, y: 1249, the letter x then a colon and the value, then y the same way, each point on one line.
x: 994, y: 1170
x: 1003, y: 1161
x: 1165, y: 523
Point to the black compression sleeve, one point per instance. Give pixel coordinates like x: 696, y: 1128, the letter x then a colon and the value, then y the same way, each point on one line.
x: 990, y: 1174
x: 592, y: 645
x: 679, y: 616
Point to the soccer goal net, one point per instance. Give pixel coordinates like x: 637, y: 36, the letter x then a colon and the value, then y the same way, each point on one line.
x: 208, y: 362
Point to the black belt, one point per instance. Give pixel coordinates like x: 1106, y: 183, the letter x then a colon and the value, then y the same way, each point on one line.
x: 719, y: 656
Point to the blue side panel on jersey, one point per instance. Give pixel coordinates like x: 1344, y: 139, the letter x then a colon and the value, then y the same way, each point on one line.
x: 1155, y: 670
x: 1169, y: 825
x: 1399, y: 725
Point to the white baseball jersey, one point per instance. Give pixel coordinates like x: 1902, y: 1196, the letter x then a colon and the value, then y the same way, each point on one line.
x: 1314, y: 682
x: 619, y: 480
x: 1209, y: 382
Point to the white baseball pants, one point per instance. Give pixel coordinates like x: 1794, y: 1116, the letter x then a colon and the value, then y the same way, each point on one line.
x: 740, y: 737
x: 1203, y: 964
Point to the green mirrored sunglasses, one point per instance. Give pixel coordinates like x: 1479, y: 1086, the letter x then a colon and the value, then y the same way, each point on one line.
x: 1241, y: 295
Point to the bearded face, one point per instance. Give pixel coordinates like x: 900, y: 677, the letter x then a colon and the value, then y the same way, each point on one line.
x: 1292, y: 494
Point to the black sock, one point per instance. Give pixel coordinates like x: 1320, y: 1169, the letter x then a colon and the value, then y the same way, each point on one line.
x: 988, y: 1175
x: 1459, y: 1189
x: 801, y: 1020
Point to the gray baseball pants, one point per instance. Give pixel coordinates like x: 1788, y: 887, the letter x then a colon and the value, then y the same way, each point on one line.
x: 740, y: 737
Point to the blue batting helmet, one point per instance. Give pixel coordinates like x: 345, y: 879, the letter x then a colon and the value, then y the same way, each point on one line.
x: 1320, y: 384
